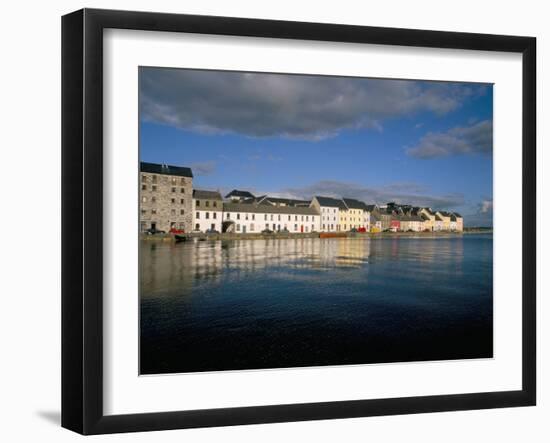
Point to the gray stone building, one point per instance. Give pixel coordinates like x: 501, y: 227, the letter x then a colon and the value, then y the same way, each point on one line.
x: 166, y: 197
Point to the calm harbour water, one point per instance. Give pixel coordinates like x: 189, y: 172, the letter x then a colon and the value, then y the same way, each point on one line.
x: 249, y: 304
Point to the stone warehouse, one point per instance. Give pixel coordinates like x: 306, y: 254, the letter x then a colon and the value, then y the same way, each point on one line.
x: 166, y: 197
x: 169, y: 202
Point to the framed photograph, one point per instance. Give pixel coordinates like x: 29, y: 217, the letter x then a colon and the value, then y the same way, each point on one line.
x: 268, y: 221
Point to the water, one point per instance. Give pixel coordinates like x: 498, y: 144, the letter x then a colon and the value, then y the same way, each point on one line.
x: 250, y: 304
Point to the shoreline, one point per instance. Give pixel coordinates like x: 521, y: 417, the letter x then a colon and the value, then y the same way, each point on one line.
x: 287, y: 236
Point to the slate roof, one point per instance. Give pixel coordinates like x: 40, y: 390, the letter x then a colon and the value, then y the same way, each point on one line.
x: 352, y: 203
x: 155, y: 168
x: 370, y: 208
x: 240, y: 194
x: 331, y: 202
x: 206, y: 195
x: 287, y: 201
x: 269, y: 209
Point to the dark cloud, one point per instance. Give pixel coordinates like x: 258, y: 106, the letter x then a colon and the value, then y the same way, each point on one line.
x: 405, y: 193
x: 295, y: 106
x: 475, y: 139
x: 203, y: 168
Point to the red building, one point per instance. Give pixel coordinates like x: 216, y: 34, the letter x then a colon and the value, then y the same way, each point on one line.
x: 395, y: 225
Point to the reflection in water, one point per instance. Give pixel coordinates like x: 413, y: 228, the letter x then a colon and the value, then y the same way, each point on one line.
x: 276, y: 303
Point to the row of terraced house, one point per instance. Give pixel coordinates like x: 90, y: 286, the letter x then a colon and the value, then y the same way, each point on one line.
x: 169, y: 201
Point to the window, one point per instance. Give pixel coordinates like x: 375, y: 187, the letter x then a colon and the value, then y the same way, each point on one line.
x: 153, y: 199
x: 265, y: 217
x: 295, y: 218
x: 153, y: 211
x: 312, y: 228
x: 197, y: 227
x: 295, y: 227
x: 143, y: 212
x: 182, y: 212
x: 144, y: 199
x: 154, y: 188
x: 182, y: 181
x: 197, y: 203
x: 238, y: 216
x: 173, y: 212
x: 252, y: 226
x: 227, y: 217
x: 323, y: 226
x: 272, y: 218
x: 279, y: 217
x: 246, y: 216
x: 174, y: 180
x: 307, y: 217
x: 238, y: 227
x: 253, y: 217
x: 207, y: 204
x: 182, y: 201
x: 154, y: 178
x: 173, y: 200
x: 267, y: 225
x: 289, y: 218
x: 215, y: 204
x: 214, y: 215
x: 207, y: 216
x: 143, y: 187
x: 198, y: 215
x: 182, y: 190
x: 143, y: 179
x: 173, y: 189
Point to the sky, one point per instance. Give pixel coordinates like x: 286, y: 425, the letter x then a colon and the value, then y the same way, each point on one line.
x: 378, y: 140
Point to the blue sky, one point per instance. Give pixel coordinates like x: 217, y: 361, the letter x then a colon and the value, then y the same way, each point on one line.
x: 425, y: 143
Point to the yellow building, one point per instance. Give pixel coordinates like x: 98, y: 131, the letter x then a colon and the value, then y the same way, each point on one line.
x: 354, y: 215
x: 446, y: 218
x: 429, y: 218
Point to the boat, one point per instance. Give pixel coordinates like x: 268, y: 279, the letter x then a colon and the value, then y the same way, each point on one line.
x: 332, y: 234
x: 180, y: 237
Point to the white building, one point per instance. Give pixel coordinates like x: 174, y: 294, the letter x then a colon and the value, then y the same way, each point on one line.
x: 207, y: 211
x: 329, y: 210
x: 246, y: 218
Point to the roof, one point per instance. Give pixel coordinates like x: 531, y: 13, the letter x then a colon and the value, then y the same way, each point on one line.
x: 155, y: 168
x: 269, y: 209
x: 206, y: 195
x: 371, y: 208
x: 241, y: 194
x: 286, y: 201
x: 331, y: 202
x: 352, y: 203
x: 457, y: 215
x: 445, y: 213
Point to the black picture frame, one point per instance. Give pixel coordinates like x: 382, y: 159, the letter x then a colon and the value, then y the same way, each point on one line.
x: 82, y: 218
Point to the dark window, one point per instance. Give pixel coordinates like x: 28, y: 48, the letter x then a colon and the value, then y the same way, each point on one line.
x: 144, y: 179
x: 182, y: 190
x: 214, y: 214
x: 198, y: 203
x: 207, y: 215
x: 198, y: 215
x: 154, y: 178
x: 143, y: 187
x: 154, y: 188
x: 214, y: 204
x: 182, y: 201
x: 238, y: 216
x: 173, y: 189
x: 182, y: 212
x: 207, y: 204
